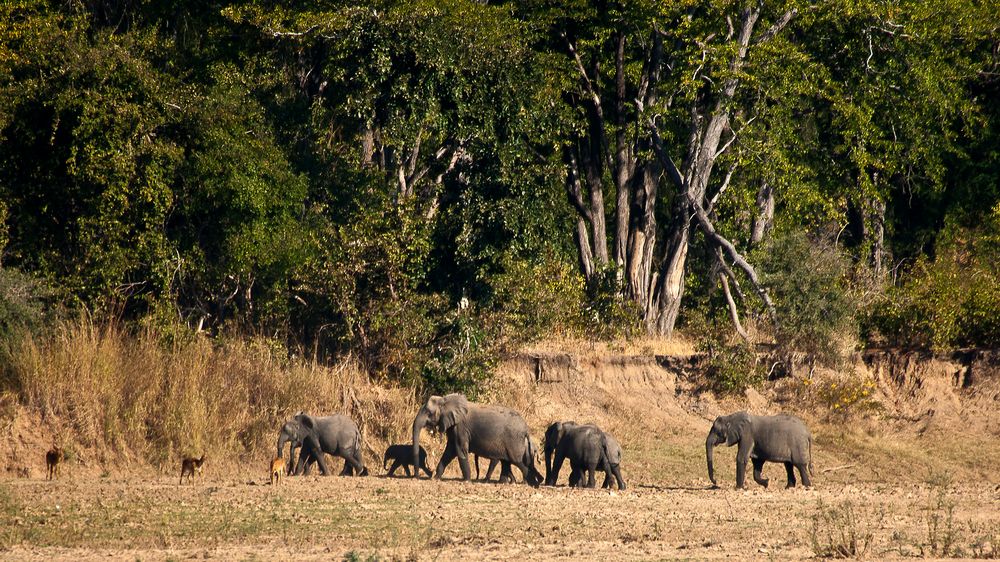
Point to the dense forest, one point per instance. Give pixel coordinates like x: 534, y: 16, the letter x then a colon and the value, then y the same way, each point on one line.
x: 426, y: 184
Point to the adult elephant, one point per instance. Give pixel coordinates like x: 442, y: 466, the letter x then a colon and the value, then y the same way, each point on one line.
x: 586, y: 447
x: 337, y: 435
x: 781, y: 438
x: 493, y: 432
x: 506, y: 474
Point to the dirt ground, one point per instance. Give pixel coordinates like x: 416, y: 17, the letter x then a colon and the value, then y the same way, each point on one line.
x: 915, y: 476
x: 380, y: 518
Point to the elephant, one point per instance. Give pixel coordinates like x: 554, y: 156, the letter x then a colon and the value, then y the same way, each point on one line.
x: 586, y: 447
x: 337, y: 435
x: 401, y: 457
x: 781, y: 438
x: 506, y: 475
x: 493, y: 432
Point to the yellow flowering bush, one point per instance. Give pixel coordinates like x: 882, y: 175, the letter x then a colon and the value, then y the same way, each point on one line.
x: 845, y: 395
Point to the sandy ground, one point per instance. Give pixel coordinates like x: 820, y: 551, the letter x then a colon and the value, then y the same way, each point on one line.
x: 380, y: 518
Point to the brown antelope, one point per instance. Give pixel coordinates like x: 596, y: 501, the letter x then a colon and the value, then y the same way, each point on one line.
x: 191, y: 467
x: 277, y: 469
x: 52, y: 460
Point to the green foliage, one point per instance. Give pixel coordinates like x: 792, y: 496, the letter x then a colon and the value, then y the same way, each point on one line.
x: 538, y: 300
x: 732, y: 364
x: 463, y: 356
x: 608, y: 314
x: 953, y: 300
x: 340, y: 175
x: 26, y: 303
x: 806, y: 280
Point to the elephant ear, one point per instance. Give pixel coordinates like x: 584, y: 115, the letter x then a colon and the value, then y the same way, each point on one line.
x: 307, y: 421
x: 454, y: 410
x: 737, y: 428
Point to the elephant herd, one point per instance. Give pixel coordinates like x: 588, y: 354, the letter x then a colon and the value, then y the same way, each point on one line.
x: 502, y: 436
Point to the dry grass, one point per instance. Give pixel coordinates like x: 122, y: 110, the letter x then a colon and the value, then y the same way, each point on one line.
x: 676, y: 346
x: 121, y: 396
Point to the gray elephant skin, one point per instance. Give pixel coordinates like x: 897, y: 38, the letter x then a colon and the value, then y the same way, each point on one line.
x: 493, y: 432
x: 782, y: 438
x: 337, y: 435
x: 506, y: 475
x: 402, y: 456
x: 586, y: 447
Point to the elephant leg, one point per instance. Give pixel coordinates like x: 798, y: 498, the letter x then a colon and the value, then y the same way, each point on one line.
x: 347, y: 470
x: 742, y: 456
x: 804, y: 474
x: 591, y: 481
x: 574, y: 477
x: 557, y: 466
x: 489, y: 470
x: 607, y: 480
x: 427, y: 469
x: 446, y: 457
x: 462, y: 452
x: 508, y: 472
x: 396, y: 464
x: 353, y: 465
x: 758, y: 467
x: 617, y: 471
x: 790, y: 471
x: 304, y: 463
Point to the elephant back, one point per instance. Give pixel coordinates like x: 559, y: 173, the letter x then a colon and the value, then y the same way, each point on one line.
x: 497, y: 432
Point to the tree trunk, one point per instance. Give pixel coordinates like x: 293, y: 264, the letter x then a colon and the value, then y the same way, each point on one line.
x: 764, y: 220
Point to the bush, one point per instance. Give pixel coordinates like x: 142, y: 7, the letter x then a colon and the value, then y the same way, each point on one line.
x: 609, y: 314
x: 951, y: 301
x: 538, y: 299
x: 463, y: 356
x: 732, y: 364
x: 27, y: 305
x: 806, y: 279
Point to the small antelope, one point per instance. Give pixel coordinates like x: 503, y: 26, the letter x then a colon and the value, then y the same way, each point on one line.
x: 52, y: 460
x: 191, y: 467
x: 277, y: 470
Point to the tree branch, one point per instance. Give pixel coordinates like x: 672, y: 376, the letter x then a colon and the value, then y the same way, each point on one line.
x: 777, y: 27
x: 709, y: 229
x: 574, y: 188
x: 665, y: 160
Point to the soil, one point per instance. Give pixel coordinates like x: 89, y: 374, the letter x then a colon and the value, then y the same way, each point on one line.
x: 908, y: 472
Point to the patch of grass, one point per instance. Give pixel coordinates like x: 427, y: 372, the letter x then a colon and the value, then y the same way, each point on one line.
x: 840, y: 532
x: 942, y: 532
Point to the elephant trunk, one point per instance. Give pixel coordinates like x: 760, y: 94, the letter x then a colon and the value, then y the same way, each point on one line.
x: 709, y: 448
x: 418, y: 424
x: 282, y: 439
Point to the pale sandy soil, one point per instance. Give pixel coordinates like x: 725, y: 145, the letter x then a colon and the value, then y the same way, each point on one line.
x: 317, y: 518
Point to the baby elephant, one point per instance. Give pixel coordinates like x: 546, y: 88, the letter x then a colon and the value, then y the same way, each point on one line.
x: 402, y: 456
x: 782, y: 438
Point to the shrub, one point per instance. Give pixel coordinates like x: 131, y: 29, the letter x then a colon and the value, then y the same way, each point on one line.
x: 806, y: 280
x: 538, y: 299
x: 732, y: 364
x: 609, y: 315
x: 953, y: 300
x: 839, y: 532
